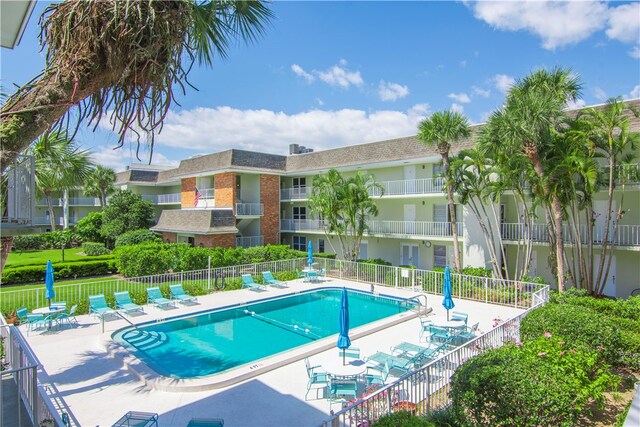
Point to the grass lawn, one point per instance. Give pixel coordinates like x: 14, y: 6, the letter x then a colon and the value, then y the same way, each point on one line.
x: 21, y: 287
x: 33, y: 257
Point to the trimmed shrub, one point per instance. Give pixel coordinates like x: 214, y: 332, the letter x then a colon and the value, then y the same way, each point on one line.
x: 63, y: 270
x: 577, y: 324
x: 376, y: 261
x: 402, y: 419
x: 94, y: 249
x: 136, y: 237
x: 145, y: 259
x: 546, y: 381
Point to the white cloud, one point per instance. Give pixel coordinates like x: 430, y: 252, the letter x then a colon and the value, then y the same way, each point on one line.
x: 211, y: 130
x: 558, y: 23
x: 392, y: 91
x: 461, y: 97
x: 302, y: 73
x: 635, y: 52
x: 337, y: 75
x: 635, y: 93
x: 118, y: 159
x: 600, y: 94
x: 624, y: 23
x: 574, y: 105
x: 457, y: 108
x: 481, y: 92
x: 503, y: 82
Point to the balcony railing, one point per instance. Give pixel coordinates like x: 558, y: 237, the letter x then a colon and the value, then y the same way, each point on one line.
x: 84, y: 201
x: 44, y: 220
x: 629, y: 173
x: 248, y: 241
x: 404, y: 228
x: 627, y: 235
x: 163, y: 199
x: 295, y: 193
x: 54, y: 202
x: 249, y: 209
x: 409, y: 187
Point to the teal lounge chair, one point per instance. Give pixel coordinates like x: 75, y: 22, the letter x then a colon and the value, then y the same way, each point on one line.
x: 206, y: 422
x: 98, y: 306
x: 123, y: 302
x: 155, y: 296
x: 247, y: 282
x: 178, y: 293
x: 272, y: 281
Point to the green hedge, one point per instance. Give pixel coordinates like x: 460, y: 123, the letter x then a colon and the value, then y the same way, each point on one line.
x: 42, y: 241
x: 94, y: 249
x: 136, y: 237
x: 62, y: 270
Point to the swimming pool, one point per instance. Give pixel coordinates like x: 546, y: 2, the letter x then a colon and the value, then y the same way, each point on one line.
x: 216, y: 341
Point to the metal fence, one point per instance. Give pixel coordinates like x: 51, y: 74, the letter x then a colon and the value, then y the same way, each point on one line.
x: 427, y: 388
x: 23, y: 370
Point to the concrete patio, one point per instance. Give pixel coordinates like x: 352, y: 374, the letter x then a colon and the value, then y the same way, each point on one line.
x: 99, y: 388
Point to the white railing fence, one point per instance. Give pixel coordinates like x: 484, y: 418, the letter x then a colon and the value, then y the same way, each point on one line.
x: 250, y: 209
x: 249, y: 241
x: 626, y: 235
x: 426, y: 389
x: 22, y: 368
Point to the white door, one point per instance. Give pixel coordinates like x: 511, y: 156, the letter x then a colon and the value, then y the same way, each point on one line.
x: 410, y: 255
x: 610, y: 285
x: 410, y: 219
x: 410, y: 177
x: 364, y: 250
x: 441, y: 220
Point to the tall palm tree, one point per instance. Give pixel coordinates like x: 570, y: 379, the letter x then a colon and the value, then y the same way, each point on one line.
x: 442, y: 129
x: 99, y: 183
x: 123, y: 60
x: 534, y: 111
x: 60, y: 166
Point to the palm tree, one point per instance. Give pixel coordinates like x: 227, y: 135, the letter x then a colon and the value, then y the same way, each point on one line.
x: 442, y: 129
x: 533, y: 113
x: 59, y: 165
x: 122, y: 60
x: 99, y: 183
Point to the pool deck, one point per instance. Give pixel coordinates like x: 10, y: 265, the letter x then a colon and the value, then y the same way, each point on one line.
x: 99, y: 388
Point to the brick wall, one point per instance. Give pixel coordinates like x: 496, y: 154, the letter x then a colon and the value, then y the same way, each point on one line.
x: 225, y: 189
x: 270, y: 198
x: 169, y: 237
x: 188, y: 192
x: 214, y: 240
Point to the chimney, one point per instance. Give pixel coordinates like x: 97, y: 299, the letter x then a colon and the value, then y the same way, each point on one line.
x: 294, y: 148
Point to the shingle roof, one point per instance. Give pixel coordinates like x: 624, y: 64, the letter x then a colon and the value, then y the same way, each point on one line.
x: 197, y: 221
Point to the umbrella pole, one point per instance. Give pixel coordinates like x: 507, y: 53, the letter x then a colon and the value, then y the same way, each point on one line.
x: 343, y: 358
x: 448, y: 316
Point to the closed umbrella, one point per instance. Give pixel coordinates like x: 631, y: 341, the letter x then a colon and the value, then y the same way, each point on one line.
x: 310, y: 253
x: 343, y: 340
x: 48, y: 283
x: 447, y: 291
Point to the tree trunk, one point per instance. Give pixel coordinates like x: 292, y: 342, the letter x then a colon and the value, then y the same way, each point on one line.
x: 5, y: 245
x: 452, y: 213
x: 52, y: 218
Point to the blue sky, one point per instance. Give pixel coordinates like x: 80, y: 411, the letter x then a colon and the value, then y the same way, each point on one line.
x: 330, y: 74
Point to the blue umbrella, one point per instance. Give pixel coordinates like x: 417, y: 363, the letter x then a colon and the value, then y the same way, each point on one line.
x: 447, y: 291
x: 343, y: 340
x: 310, y: 253
x: 48, y: 283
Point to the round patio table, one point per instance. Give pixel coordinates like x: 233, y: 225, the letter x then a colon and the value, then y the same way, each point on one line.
x: 335, y: 368
x: 444, y: 323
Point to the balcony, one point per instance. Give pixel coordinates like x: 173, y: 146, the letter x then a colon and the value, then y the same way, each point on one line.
x: 249, y: 209
x: 54, y: 202
x: 248, y: 241
x: 406, y: 187
x: 390, y: 228
x: 627, y: 235
x: 164, y: 199
x: 627, y: 173
x: 84, y: 201
x: 44, y: 220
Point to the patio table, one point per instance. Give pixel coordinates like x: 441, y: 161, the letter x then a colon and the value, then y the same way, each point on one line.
x: 352, y: 368
x: 137, y: 419
x: 449, y: 324
x: 48, y: 311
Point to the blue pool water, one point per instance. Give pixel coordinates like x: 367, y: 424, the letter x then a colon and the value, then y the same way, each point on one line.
x: 211, y: 342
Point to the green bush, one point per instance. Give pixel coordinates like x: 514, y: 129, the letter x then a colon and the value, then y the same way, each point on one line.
x: 88, y: 228
x: 51, y: 240
x: 402, y: 419
x: 94, y: 249
x: 477, y: 271
x: 145, y: 259
x: 578, y: 324
x: 136, y: 237
x: 546, y: 381
x: 62, y: 270
x: 376, y: 261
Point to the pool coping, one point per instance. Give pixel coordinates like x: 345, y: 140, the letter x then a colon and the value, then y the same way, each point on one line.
x: 233, y: 376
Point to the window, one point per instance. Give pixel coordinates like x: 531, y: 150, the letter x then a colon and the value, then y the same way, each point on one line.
x: 321, y: 246
x: 439, y: 256
x: 299, y: 212
x: 410, y: 255
x: 300, y: 243
x: 437, y: 170
x: 191, y: 241
x: 299, y: 182
x: 238, y: 187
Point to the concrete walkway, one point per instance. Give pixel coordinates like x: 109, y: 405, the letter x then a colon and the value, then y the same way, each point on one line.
x: 98, y: 388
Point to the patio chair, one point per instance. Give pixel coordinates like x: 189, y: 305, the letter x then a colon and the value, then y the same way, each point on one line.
x: 458, y: 315
x: 69, y: 317
x: 59, y: 304
x: 377, y: 374
x: 467, y: 334
x: 342, y: 390
x: 318, y: 379
x: 247, y: 282
x: 98, y: 306
x: 178, y: 293
x: 350, y: 353
x: 206, y: 422
x: 272, y: 281
x: 22, y: 314
x: 322, y: 273
x: 312, y: 276
x: 123, y: 302
x: 35, y: 321
x: 155, y: 297
x: 425, y: 326
x: 438, y: 334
